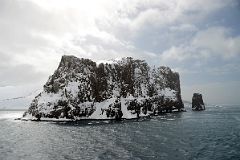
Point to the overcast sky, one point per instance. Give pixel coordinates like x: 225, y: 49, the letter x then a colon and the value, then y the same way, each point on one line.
x: 198, y: 38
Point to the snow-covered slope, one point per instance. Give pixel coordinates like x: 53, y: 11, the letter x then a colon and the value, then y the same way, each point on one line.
x: 81, y: 88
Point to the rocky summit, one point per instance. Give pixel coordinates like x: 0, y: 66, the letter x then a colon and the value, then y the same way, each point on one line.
x: 127, y: 88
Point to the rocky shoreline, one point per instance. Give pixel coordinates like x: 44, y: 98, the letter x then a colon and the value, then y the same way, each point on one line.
x: 141, y: 118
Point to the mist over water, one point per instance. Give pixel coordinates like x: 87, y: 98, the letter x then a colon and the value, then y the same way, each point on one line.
x: 211, y: 134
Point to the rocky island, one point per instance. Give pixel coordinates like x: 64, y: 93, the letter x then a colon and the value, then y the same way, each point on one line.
x: 197, y: 102
x: 127, y: 88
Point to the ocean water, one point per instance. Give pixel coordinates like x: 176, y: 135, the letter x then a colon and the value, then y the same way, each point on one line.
x: 213, y: 134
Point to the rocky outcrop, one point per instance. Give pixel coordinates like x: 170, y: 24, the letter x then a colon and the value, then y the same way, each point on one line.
x: 81, y: 88
x: 197, y: 102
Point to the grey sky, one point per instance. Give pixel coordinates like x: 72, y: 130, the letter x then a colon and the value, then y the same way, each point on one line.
x: 199, y: 39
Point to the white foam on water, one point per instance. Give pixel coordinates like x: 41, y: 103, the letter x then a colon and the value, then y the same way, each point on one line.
x: 170, y: 119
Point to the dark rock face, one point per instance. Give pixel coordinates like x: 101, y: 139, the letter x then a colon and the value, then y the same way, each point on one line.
x: 80, y: 86
x: 197, y: 102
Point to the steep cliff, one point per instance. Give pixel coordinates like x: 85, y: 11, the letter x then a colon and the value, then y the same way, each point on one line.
x: 81, y: 88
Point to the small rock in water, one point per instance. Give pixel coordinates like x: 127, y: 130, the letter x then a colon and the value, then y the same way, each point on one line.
x: 197, y: 102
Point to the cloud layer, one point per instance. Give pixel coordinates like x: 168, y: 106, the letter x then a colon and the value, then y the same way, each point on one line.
x: 193, y: 37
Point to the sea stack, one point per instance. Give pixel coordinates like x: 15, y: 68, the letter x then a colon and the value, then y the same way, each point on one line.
x: 197, y: 102
x: 127, y: 88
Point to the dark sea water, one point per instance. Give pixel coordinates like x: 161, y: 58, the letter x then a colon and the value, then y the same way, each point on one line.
x: 213, y: 134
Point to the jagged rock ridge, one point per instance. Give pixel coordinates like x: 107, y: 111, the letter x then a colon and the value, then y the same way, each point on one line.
x: 81, y: 88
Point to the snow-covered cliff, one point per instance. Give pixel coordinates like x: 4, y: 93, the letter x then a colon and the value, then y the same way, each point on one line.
x: 81, y: 88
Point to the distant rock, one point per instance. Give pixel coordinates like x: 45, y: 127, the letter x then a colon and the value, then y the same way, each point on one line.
x: 197, y: 102
x: 127, y: 88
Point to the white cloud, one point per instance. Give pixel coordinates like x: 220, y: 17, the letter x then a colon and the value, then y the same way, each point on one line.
x: 103, y: 46
x: 35, y: 33
x: 214, y: 41
x: 218, y: 41
x: 33, y: 28
x: 180, y: 53
x: 184, y: 28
